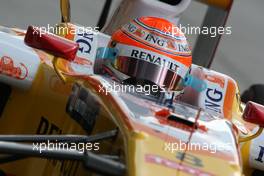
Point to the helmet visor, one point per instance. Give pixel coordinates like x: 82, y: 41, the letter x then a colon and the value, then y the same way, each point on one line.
x: 147, y: 65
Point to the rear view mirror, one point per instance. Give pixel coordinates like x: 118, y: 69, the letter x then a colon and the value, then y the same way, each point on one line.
x: 55, y: 45
x: 254, y: 113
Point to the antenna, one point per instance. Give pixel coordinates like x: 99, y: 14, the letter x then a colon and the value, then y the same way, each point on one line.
x: 65, y: 11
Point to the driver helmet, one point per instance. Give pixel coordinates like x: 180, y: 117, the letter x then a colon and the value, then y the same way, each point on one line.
x: 152, y: 49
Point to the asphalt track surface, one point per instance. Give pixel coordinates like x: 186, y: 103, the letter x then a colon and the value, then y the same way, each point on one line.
x: 240, y: 54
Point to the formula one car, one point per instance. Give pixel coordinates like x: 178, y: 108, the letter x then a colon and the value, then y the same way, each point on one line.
x: 70, y: 99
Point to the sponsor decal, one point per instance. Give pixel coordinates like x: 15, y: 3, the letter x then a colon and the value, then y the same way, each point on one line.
x: 259, y: 157
x: 152, y: 58
x: 166, y: 31
x: 18, y: 62
x: 209, y: 90
x: 47, y: 127
x: 84, y: 61
x: 85, y: 41
x: 7, y: 67
x: 256, y: 153
x: 174, y: 46
x: 213, y: 99
x: 154, y: 159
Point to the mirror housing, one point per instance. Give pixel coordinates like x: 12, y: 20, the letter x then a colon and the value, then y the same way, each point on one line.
x: 55, y: 45
x: 254, y: 113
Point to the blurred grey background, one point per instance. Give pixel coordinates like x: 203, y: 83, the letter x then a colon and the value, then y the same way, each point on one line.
x: 239, y: 54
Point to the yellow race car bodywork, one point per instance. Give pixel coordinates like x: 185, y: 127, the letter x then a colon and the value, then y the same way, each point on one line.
x: 146, y: 142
